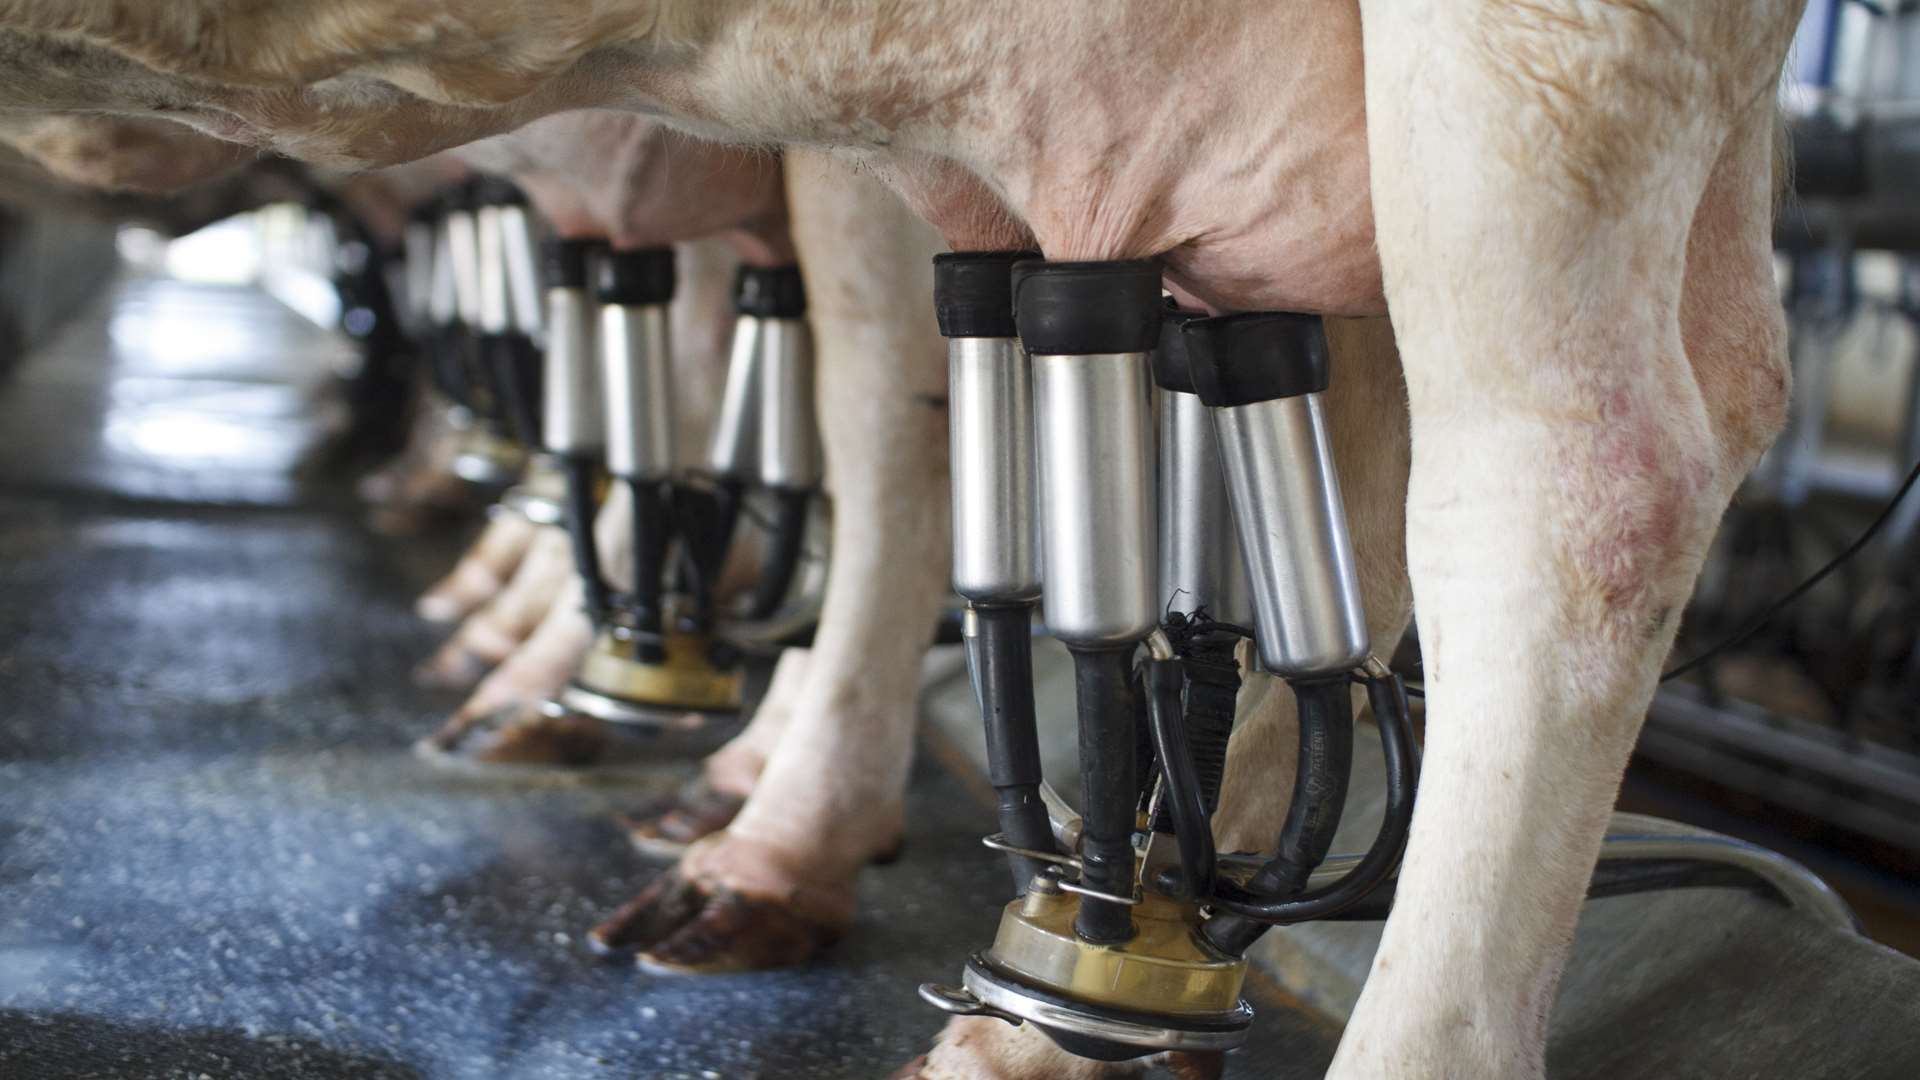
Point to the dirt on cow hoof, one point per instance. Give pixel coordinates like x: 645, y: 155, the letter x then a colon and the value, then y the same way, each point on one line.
x: 665, y: 827
x: 519, y: 736
x: 680, y: 926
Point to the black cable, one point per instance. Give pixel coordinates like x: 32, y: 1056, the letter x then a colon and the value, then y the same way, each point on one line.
x: 1774, y: 609
x: 1184, y: 799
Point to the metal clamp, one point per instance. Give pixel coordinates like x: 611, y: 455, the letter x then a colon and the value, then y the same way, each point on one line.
x: 999, y: 842
x: 982, y: 994
x: 1114, y: 898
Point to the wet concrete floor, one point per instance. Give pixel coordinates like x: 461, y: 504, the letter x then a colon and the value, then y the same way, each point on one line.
x: 219, y: 858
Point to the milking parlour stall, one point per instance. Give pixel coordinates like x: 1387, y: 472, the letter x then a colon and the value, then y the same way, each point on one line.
x: 1366, y: 539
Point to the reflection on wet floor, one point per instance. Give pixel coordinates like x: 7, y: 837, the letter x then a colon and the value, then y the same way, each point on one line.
x: 175, y: 391
x: 219, y: 858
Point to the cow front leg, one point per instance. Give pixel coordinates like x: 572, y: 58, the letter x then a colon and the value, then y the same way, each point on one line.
x: 1537, y: 171
x: 777, y: 885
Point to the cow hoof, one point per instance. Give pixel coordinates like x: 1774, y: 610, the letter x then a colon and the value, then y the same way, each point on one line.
x: 681, y: 926
x: 519, y: 735
x: 664, y: 828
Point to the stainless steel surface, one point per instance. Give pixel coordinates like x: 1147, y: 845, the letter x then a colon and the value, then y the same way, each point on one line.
x: 573, y: 421
x: 635, y: 716
x: 958, y: 1002
x: 463, y: 259
x: 1200, y: 561
x: 789, y: 427
x: 996, y: 554
x: 1308, y: 618
x: 997, y: 998
x: 1112, y: 898
x: 443, y: 294
x: 1637, y: 836
x: 1095, y: 441
x: 520, y: 252
x: 496, y: 314
x: 1066, y: 821
x: 999, y: 842
x: 1820, y: 771
x: 537, y: 507
x: 734, y: 447
x: 636, y: 366
x: 417, y: 242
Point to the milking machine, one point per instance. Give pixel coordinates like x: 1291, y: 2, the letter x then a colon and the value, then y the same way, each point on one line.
x: 511, y: 326
x: 1130, y: 931
x: 660, y: 655
x: 463, y: 345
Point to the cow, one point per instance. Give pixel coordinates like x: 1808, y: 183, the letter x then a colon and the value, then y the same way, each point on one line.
x: 1564, y: 206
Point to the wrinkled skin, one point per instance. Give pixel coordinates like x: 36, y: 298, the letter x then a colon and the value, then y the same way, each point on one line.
x: 1563, y: 205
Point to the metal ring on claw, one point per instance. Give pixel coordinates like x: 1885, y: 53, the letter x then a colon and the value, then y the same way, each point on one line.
x: 685, y: 693
x: 540, y: 496
x: 487, y: 460
x: 1089, y: 1031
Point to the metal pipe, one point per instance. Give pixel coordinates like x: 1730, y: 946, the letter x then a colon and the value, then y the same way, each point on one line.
x: 1201, y: 567
x: 1638, y: 838
x: 463, y: 261
x: 495, y: 305
x: 1262, y: 375
x: 733, y: 448
x: 790, y: 457
x: 1088, y: 328
x: 634, y: 289
x: 417, y: 242
x: 573, y: 425
x: 574, y: 422
x: 520, y: 256
x: 1200, y: 561
x: 636, y: 366
x: 996, y: 558
x: 1095, y: 438
x: 637, y: 373
x: 996, y: 555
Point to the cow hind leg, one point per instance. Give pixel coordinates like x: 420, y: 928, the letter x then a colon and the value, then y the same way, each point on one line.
x: 1578, y: 428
